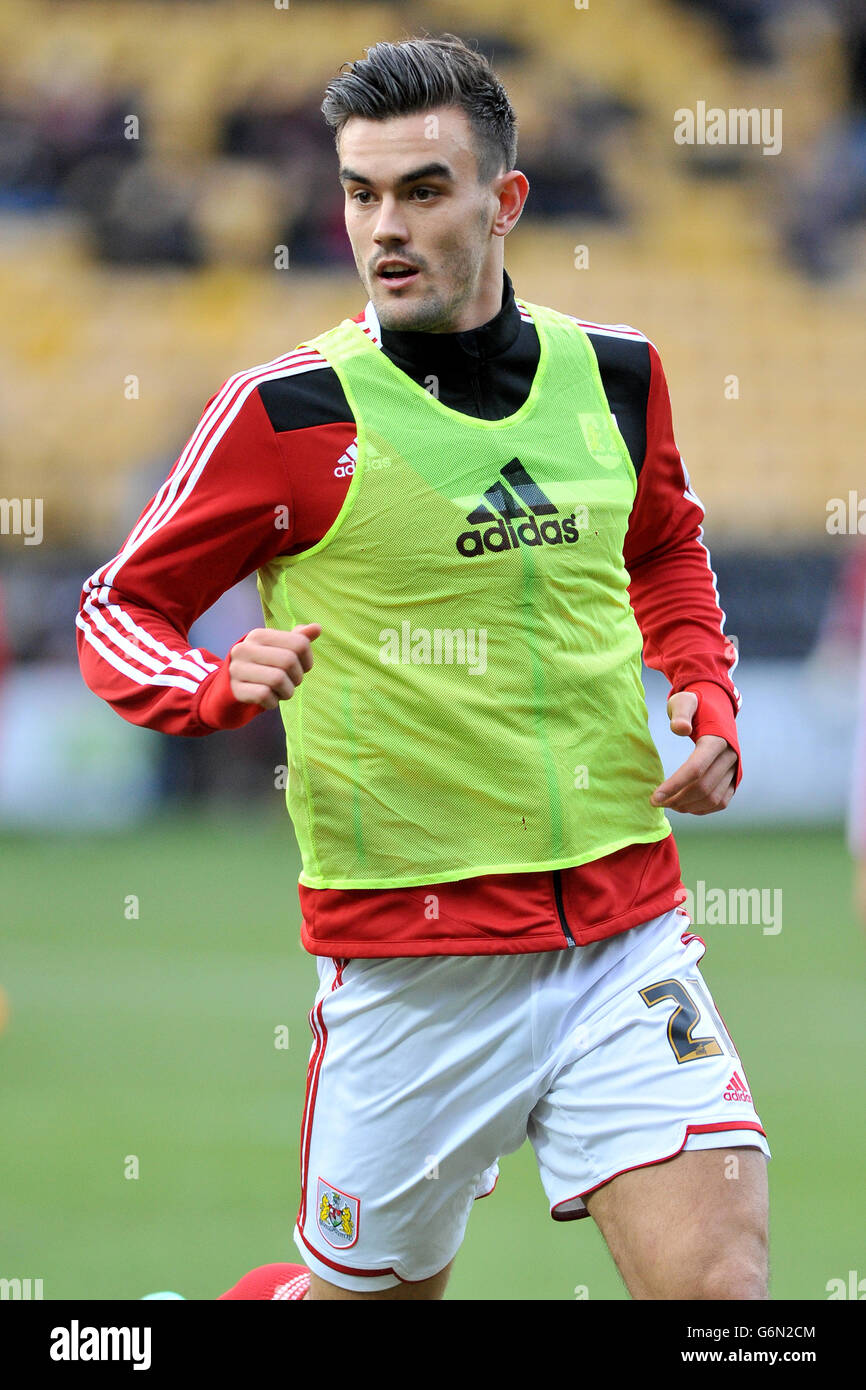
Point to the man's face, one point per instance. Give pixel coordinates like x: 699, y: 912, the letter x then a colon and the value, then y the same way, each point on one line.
x: 412, y: 195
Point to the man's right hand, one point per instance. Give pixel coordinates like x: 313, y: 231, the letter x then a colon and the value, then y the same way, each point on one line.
x: 266, y: 666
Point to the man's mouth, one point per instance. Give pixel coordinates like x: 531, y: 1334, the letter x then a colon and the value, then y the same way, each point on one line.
x: 395, y: 274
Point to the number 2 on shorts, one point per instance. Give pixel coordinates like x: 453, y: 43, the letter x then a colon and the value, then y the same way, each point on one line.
x: 682, y: 1020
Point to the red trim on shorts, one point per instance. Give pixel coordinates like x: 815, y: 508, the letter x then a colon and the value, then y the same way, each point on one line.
x: 690, y: 1129
x: 481, y: 1195
x: 728, y: 1031
x: 372, y: 1273
x: 347, y: 1269
x: 686, y: 938
x: 730, y: 1124
x: 367, y: 1273
x: 692, y: 936
x: 313, y: 1070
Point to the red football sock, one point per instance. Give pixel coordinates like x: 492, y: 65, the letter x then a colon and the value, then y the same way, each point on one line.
x: 272, y: 1282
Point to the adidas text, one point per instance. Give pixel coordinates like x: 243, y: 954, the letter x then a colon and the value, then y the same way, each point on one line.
x: 508, y: 535
x: 503, y: 518
x: 345, y: 470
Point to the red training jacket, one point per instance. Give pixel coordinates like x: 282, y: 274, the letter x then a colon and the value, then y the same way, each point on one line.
x: 280, y: 439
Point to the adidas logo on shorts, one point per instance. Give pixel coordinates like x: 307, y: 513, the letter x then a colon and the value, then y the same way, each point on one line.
x: 737, y: 1089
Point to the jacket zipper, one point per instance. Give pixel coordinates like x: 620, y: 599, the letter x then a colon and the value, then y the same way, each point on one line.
x: 557, y: 893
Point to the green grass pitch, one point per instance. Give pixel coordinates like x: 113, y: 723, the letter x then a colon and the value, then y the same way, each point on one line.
x: 154, y: 1038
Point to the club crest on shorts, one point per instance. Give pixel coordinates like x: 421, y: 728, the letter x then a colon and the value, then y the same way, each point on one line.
x: 337, y: 1215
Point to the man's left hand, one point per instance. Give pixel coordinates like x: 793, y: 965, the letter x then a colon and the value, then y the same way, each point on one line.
x: 705, y: 781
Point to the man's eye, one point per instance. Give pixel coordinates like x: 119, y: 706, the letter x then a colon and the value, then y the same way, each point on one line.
x: 364, y: 193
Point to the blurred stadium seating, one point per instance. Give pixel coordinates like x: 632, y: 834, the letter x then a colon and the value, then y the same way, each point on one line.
x: 692, y: 258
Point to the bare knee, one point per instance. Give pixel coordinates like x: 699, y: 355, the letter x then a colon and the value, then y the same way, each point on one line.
x: 737, y: 1274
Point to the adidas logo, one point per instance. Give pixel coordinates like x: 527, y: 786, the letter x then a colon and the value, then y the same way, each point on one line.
x: 737, y: 1089
x: 347, y: 462
x: 514, y: 524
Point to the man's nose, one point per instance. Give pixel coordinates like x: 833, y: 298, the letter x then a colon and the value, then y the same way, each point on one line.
x: 390, y: 224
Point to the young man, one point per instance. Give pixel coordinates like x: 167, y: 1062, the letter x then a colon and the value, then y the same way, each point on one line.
x: 474, y: 507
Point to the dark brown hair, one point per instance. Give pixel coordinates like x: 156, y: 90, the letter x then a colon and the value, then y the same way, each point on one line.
x: 418, y: 74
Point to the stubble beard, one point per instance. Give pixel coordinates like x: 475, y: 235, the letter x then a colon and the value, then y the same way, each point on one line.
x: 432, y: 313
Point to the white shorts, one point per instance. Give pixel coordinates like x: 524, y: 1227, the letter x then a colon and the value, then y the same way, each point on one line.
x: 424, y: 1071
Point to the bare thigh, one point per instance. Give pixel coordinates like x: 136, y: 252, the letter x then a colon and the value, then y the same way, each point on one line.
x: 693, y: 1227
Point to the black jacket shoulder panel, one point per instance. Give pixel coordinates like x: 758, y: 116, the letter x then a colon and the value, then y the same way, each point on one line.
x: 625, y: 369
x: 305, y: 399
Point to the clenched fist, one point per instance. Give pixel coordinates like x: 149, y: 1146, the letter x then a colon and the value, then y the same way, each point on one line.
x: 267, y: 665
